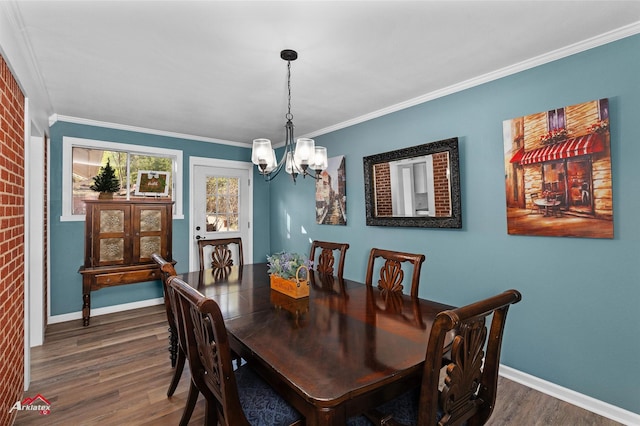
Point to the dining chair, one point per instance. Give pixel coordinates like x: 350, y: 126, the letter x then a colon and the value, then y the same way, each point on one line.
x: 556, y: 208
x: 176, y: 348
x: 391, y: 273
x: 326, y: 258
x: 233, y: 398
x: 468, y: 393
x: 218, y: 253
x: 535, y: 208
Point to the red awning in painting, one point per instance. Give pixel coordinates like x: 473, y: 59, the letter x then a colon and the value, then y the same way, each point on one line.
x: 571, y: 148
x: 517, y: 156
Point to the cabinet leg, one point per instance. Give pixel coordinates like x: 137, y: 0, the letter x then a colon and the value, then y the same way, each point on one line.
x: 86, y: 308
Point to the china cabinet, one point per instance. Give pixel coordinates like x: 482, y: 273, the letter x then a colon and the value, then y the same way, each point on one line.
x: 120, y: 237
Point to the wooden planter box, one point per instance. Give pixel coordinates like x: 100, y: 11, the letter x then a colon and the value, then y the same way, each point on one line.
x: 291, y: 288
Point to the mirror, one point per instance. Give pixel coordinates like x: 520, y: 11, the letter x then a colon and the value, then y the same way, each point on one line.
x: 417, y: 186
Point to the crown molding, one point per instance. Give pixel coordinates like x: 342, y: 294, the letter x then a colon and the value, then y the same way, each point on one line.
x: 18, y: 52
x: 87, y: 122
x: 584, y: 45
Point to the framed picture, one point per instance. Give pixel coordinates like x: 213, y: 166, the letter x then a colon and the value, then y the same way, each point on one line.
x: 152, y: 183
x: 331, y: 194
x: 558, y: 177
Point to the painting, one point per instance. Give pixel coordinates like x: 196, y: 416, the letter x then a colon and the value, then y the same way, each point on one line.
x: 331, y: 194
x: 152, y: 183
x: 558, y: 178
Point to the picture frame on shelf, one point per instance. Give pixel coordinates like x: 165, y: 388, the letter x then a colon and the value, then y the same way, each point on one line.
x: 152, y: 183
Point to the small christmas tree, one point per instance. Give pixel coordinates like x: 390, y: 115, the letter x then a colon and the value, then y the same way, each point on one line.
x: 106, y: 182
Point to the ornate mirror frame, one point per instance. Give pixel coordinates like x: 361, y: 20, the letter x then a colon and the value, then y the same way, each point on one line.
x: 453, y: 221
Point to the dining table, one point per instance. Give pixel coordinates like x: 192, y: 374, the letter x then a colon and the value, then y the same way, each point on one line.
x: 342, y: 350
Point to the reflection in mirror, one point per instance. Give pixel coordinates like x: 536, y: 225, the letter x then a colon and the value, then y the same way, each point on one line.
x: 416, y: 186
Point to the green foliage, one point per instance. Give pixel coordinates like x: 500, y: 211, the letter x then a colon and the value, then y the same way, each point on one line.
x: 106, y: 181
x: 286, y: 264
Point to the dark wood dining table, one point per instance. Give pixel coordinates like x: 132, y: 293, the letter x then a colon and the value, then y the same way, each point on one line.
x: 342, y: 350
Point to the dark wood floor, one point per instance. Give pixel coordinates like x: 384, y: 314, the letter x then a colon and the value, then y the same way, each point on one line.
x: 116, y: 372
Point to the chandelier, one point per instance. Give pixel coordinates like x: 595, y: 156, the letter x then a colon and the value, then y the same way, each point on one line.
x: 299, y: 157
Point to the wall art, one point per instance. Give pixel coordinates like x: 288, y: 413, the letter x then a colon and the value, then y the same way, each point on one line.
x: 558, y: 172
x: 331, y: 194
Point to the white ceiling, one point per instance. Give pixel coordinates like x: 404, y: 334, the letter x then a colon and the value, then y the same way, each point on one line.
x: 212, y: 69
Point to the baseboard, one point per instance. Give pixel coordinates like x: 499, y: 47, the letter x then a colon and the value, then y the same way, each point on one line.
x: 572, y: 397
x: 106, y: 310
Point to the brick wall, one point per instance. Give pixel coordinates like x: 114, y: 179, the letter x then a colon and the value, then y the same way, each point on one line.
x: 441, y: 190
x: 382, y: 174
x: 11, y: 243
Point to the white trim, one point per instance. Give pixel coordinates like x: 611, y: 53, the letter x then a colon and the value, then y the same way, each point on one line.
x: 554, y: 55
x: 77, y: 120
x: 69, y: 142
x: 604, y: 409
x: 230, y: 164
x: 34, y: 171
x: 96, y: 312
x: 26, y: 286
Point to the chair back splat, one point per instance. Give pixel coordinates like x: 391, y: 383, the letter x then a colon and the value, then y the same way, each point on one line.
x: 326, y: 258
x: 221, y: 254
x: 391, y: 274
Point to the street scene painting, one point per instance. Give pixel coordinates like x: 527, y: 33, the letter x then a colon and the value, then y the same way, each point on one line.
x: 558, y: 172
x: 331, y: 194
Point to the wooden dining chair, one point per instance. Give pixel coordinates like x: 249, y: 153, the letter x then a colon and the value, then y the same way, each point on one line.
x: 469, y: 391
x: 233, y: 398
x: 218, y: 254
x: 535, y: 208
x: 176, y: 347
x: 391, y: 273
x: 326, y: 258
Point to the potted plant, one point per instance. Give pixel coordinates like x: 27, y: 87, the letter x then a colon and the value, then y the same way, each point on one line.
x: 106, y: 182
x: 289, y: 273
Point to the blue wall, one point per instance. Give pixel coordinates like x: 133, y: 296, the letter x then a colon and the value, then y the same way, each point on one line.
x: 67, y: 238
x: 577, y: 325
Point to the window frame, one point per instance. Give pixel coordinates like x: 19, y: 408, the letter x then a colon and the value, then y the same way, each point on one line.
x: 68, y: 143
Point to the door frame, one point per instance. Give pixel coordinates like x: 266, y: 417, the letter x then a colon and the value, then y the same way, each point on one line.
x: 228, y: 164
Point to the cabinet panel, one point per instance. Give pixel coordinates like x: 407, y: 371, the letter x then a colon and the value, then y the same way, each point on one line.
x: 110, y: 231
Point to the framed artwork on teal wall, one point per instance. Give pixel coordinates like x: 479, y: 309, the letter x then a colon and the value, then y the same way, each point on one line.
x: 558, y: 178
x: 331, y: 193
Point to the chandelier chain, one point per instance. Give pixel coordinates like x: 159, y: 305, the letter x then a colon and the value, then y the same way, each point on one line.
x: 289, y: 116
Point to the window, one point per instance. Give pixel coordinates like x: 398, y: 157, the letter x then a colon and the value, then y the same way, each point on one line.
x: 83, y: 158
x: 556, y: 119
x: 222, y: 204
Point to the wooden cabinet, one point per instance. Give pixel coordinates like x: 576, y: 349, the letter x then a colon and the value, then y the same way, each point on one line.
x: 120, y: 237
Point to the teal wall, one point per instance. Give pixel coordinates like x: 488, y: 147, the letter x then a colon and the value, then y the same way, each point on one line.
x: 578, y: 323
x: 67, y: 238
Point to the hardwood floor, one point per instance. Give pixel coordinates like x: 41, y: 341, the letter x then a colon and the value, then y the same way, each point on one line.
x: 116, y: 372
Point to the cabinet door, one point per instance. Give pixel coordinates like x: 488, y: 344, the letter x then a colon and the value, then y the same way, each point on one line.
x: 150, y: 233
x: 111, y: 229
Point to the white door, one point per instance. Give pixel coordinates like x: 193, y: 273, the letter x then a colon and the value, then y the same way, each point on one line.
x: 221, y: 204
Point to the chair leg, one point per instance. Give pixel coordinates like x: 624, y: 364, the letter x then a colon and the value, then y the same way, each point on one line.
x: 210, y: 414
x: 177, y: 373
x: 192, y: 398
x: 173, y: 346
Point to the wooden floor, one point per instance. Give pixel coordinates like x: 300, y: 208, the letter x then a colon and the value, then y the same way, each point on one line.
x: 116, y: 372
